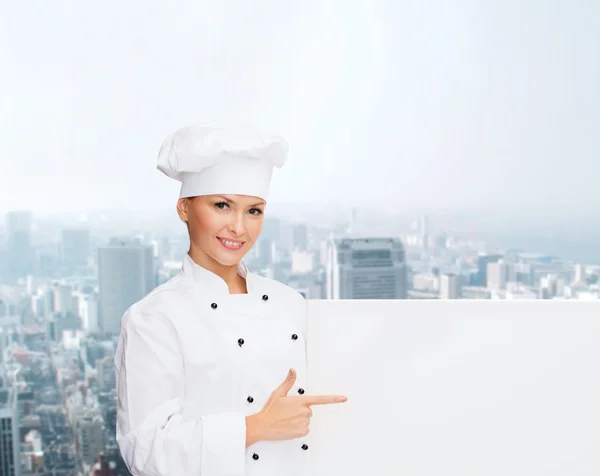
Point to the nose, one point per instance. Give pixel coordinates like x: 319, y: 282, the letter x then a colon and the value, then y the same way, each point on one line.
x: 236, y: 226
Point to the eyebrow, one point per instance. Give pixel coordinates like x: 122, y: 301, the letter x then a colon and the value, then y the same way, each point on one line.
x: 233, y: 201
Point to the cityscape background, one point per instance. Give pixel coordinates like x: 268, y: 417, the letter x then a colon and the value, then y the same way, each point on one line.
x: 438, y: 151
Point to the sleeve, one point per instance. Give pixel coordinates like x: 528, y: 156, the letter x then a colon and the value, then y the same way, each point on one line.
x: 153, y: 437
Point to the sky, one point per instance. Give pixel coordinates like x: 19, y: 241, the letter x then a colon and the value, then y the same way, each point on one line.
x: 465, y: 106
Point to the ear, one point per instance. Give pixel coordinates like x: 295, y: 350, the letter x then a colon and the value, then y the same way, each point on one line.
x: 183, y: 209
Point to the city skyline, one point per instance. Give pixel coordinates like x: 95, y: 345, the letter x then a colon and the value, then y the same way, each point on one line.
x: 564, y: 239
x: 64, y: 290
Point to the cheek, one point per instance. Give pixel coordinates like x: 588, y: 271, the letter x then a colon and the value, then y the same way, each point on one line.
x: 206, y: 223
x: 253, y: 228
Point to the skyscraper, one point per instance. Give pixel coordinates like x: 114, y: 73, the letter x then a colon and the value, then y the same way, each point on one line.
x: 450, y: 286
x: 482, y: 267
x: 497, y: 275
x: 125, y: 275
x: 579, y: 273
x: 63, y: 297
x: 366, y: 268
x: 9, y: 433
x: 424, y: 231
x: 300, y: 237
x: 18, y: 248
x: 90, y: 436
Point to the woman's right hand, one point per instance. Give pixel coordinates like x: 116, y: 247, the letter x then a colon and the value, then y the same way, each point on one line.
x: 286, y: 417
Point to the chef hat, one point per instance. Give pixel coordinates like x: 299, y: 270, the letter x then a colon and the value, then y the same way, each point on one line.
x: 209, y: 160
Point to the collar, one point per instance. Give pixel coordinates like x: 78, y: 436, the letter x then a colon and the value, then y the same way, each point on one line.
x: 202, y: 275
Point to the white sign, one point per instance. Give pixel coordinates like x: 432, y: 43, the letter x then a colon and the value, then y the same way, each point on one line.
x: 441, y: 388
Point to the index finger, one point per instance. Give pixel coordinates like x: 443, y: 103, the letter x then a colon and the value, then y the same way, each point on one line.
x: 322, y: 399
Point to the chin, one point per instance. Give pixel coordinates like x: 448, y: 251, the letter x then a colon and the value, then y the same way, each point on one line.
x: 228, y: 259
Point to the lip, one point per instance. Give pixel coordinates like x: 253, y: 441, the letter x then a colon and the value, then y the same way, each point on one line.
x: 230, y: 247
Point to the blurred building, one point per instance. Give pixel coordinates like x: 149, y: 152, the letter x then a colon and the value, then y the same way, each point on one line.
x: 482, y: 268
x: 497, y: 275
x: 300, y: 237
x: 10, y: 456
x: 19, y: 251
x: 450, y: 286
x: 90, y: 437
x: 366, y: 268
x: 126, y: 274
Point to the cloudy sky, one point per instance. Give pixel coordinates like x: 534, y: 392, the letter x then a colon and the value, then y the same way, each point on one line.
x: 463, y: 105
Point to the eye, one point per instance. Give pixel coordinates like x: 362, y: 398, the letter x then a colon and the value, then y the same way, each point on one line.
x: 221, y: 205
x: 257, y: 210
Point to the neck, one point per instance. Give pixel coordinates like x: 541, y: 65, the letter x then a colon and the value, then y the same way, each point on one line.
x: 229, y: 274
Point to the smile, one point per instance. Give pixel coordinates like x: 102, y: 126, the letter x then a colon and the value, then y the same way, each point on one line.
x: 231, y: 244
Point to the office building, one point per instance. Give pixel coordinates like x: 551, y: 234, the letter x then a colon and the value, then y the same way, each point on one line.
x: 125, y: 275
x: 366, y: 268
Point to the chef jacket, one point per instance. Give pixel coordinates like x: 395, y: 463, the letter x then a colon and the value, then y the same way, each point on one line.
x: 192, y: 361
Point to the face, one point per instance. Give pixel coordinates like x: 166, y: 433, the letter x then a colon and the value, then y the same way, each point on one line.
x: 222, y: 227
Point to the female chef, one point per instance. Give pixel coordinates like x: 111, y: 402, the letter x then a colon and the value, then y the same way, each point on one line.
x: 211, y: 365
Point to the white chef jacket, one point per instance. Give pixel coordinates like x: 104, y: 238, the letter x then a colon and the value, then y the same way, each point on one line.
x: 193, y: 360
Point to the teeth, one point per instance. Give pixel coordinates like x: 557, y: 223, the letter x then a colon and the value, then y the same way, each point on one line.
x: 232, y: 244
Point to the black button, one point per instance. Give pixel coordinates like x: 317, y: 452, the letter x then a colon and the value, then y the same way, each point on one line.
x: 250, y: 399
x: 294, y: 336
x: 301, y: 391
x: 265, y: 297
x: 304, y: 446
x: 254, y: 456
x: 240, y: 342
x: 214, y: 305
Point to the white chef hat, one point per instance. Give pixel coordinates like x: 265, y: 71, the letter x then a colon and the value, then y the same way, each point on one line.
x: 209, y: 160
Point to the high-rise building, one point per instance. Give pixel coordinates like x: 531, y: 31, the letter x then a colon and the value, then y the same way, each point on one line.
x: 63, y: 297
x: 10, y: 460
x: 48, y: 294
x: 38, y: 305
x: 58, y: 322
x: 561, y: 285
x: 524, y: 273
x: 579, y: 273
x: 300, y: 237
x: 125, y: 275
x: 105, y: 369
x: 20, y: 257
x: 450, y: 286
x: 90, y: 437
x: 497, y: 275
x: 366, y: 268
x: 482, y: 262
x: 267, y: 253
x: 424, y: 231
x: 88, y: 310
x: 271, y: 229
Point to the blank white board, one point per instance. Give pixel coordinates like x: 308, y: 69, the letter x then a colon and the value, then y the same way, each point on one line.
x: 445, y: 388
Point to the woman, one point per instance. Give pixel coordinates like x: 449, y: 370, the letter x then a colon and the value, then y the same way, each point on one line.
x: 211, y: 365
